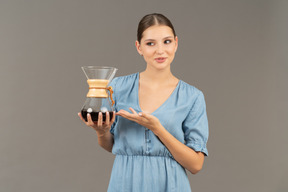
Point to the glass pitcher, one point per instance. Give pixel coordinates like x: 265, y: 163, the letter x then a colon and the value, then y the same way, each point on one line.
x: 97, y: 101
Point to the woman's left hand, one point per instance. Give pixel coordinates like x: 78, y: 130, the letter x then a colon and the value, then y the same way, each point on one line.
x: 147, y: 120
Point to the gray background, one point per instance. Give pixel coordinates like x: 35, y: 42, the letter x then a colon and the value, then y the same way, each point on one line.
x: 234, y: 51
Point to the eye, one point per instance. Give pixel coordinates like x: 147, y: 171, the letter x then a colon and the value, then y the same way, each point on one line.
x: 167, y: 41
x: 150, y: 43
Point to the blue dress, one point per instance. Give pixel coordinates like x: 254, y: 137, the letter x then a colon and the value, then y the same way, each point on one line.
x: 142, y: 162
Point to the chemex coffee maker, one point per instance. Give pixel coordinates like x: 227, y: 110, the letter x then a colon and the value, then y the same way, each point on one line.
x: 98, y: 100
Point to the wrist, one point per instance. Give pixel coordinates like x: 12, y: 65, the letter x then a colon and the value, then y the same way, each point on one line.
x: 101, y: 134
x: 159, y: 130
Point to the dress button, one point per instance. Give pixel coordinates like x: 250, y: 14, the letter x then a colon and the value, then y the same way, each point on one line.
x: 148, y: 140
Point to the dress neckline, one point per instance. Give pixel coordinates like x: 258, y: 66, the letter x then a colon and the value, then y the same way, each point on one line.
x: 157, y: 109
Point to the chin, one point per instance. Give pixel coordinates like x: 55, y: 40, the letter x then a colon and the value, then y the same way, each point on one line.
x: 162, y: 67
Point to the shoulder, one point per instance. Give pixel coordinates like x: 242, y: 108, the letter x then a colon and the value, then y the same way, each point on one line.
x: 190, y: 90
x: 195, y: 98
x: 123, y: 80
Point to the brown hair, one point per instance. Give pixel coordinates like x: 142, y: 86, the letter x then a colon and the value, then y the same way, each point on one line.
x: 151, y: 20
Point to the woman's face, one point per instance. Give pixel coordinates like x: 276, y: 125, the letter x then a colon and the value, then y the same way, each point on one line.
x: 158, y: 46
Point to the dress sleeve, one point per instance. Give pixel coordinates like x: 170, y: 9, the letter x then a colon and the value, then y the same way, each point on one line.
x: 113, y: 85
x: 195, y: 126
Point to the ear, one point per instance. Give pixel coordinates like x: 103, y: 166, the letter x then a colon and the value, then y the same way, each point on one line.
x: 138, y: 47
x: 176, y: 43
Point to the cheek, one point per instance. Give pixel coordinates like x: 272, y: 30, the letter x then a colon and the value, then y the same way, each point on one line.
x: 171, y: 50
x: 148, y: 52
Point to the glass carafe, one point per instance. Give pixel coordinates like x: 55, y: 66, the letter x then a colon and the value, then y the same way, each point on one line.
x: 98, y: 100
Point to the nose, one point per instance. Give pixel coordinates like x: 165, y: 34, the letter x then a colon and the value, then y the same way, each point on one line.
x: 160, y: 49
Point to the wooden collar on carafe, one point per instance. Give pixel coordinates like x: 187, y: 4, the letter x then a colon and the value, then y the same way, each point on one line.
x: 98, y: 87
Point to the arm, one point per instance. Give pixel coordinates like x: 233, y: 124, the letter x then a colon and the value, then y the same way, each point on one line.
x: 105, y: 138
x: 185, y: 156
x: 106, y: 141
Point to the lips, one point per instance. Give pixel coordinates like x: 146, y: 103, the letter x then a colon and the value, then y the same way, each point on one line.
x: 160, y: 59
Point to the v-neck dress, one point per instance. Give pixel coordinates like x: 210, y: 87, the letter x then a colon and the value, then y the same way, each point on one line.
x: 142, y: 162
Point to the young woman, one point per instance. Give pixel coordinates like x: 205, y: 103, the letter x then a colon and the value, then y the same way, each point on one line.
x: 161, y: 126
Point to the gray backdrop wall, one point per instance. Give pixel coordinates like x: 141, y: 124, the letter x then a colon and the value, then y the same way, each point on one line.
x: 234, y: 51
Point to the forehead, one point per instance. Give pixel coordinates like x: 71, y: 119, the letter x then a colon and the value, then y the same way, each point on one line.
x: 157, y: 32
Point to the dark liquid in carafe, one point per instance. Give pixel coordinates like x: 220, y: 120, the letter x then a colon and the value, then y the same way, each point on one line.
x: 94, y: 115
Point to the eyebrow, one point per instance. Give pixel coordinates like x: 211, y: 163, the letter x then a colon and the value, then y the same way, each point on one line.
x: 154, y: 39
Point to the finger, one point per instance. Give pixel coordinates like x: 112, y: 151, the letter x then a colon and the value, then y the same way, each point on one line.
x: 126, y: 115
x: 142, y: 114
x: 89, y: 118
x: 107, y: 120
x: 121, y: 112
x: 100, y: 119
x: 80, y: 115
x: 133, y: 111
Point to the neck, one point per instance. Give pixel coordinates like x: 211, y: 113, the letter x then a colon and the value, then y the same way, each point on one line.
x: 157, y: 76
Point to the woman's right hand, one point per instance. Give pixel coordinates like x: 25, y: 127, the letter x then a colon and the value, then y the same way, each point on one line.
x: 99, y: 126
